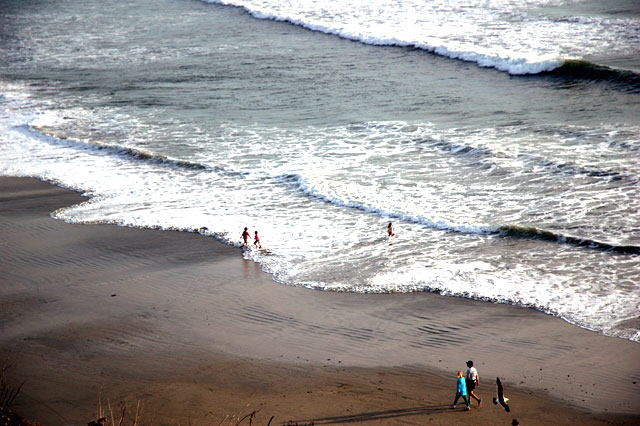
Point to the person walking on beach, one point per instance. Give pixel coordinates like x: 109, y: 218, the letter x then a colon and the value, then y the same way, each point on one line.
x: 256, y: 241
x: 461, y: 391
x: 473, y: 380
x: 390, y: 230
x: 245, y: 237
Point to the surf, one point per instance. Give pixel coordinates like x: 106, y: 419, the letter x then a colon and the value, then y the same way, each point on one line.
x: 47, y: 135
x: 503, y: 231
x: 435, y: 28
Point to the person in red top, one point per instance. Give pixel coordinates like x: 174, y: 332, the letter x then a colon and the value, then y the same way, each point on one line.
x: 256, y: 241
x: 245, y: 237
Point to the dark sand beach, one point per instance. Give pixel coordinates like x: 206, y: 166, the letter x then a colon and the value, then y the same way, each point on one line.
x: 183, y: 325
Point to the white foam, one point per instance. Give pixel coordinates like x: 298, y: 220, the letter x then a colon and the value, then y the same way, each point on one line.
x: 548, y: 293
x: 504, y: 35
x: 325, y: 192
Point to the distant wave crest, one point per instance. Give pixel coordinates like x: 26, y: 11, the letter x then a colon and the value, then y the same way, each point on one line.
x: 514, y: 64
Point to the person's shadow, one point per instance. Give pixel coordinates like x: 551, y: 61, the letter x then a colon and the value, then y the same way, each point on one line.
x: 376, y: 415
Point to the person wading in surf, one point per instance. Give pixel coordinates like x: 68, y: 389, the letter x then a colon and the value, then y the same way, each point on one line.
x: 390, y: 230
x: 245, y: 237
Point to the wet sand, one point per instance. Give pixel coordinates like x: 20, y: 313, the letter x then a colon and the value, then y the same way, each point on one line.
x: 183, y: 325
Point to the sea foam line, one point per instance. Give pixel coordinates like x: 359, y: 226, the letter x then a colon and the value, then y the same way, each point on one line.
x: 567, y: 64
x: 42, y: 133
x: 504, y: 231
x: 514, y: 66
x: 305, y: 186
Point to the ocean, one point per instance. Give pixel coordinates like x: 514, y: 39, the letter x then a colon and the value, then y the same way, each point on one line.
x: 501, y: 138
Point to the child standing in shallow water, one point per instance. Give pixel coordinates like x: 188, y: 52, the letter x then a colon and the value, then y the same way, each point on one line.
x: 257, y: 240
x: 461, y: 391
x: 245, y: 237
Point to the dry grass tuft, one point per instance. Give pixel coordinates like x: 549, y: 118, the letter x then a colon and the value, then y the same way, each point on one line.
x: 8, y: 394
x: 120, y: 418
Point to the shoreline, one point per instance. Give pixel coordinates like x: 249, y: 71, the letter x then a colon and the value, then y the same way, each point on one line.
x: 184, y: 324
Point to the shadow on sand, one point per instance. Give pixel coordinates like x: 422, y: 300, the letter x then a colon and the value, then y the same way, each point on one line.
x: 377, y: 415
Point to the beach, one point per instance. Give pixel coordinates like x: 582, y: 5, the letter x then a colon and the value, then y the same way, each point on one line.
x: 187, y: 330
x: 499, y: 139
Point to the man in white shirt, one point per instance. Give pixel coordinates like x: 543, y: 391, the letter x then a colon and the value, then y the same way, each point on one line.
x: 472, y: 380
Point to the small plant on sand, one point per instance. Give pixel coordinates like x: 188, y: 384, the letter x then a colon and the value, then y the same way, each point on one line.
x: 8, y: 394
x: 250, y: 416
x: 102, y: 419
x: 120, y: 417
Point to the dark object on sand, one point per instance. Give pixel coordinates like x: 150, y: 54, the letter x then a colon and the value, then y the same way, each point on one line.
x: 501, y: 399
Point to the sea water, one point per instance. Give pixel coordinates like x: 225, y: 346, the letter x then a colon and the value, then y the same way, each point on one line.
x: 501, y: 138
